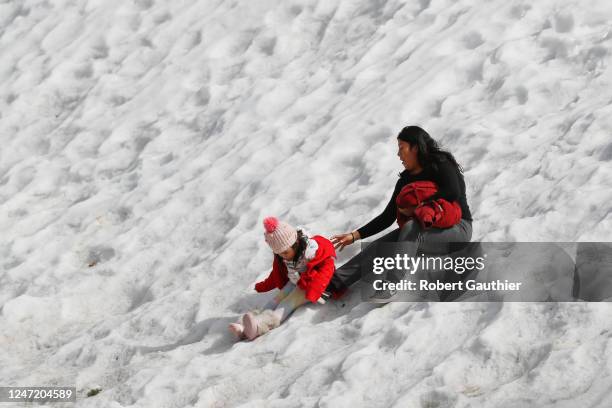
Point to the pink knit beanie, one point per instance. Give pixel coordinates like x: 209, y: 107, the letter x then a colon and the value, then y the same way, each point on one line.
x: 279, y: 235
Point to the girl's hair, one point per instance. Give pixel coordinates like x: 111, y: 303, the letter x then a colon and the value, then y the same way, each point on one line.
x: 430, y: 152
x: 299, y: 246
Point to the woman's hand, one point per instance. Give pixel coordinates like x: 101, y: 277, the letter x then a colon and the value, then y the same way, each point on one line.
x: 408, y: 212
x: 342, y: 240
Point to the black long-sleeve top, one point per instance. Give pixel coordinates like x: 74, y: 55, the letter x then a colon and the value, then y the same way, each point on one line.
x: 451, y: 187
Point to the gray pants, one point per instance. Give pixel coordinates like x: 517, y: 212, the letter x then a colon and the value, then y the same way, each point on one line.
x: 433, y: 240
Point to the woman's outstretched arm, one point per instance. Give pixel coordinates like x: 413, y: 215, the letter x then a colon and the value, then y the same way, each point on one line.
x: 383, y: 220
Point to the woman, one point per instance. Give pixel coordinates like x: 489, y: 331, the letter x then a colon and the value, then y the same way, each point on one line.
x: 423, y: 160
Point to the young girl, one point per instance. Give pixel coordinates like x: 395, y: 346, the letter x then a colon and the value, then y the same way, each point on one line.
x: 302, y: 268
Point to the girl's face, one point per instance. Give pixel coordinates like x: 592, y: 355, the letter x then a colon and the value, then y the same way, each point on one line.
x: 288, y: 254
x: 408, y: 156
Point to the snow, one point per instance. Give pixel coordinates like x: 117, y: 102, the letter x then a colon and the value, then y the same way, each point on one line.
x: 144, y: 142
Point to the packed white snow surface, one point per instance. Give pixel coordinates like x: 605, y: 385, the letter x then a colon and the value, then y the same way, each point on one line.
x: 144, y: 141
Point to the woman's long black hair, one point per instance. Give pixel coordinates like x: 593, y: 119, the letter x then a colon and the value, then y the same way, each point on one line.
x: 429, y: 152
x: 299, y: 246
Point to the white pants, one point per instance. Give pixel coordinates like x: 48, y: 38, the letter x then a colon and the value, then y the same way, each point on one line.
x: 286, y: 302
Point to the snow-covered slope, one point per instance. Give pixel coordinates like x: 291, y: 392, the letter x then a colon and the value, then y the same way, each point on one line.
x: 144, y: 141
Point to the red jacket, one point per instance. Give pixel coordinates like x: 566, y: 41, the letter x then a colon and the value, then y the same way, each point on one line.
x: 318, y: 273
x: 437, y: 213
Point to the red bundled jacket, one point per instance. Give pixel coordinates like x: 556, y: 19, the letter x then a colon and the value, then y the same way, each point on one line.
x: 318, y: 273
x: 437, y: 213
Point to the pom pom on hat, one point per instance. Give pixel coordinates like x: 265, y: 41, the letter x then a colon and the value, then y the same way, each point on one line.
x: 270, y: 224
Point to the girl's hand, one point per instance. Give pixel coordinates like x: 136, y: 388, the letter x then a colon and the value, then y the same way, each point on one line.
x: 342, y: 240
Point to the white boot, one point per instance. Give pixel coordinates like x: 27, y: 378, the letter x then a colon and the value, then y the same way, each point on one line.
x: 237, y: 329
x: 257, y: 324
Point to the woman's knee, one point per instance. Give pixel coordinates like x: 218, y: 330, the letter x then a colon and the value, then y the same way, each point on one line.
x: 440, y: 241
x: 467, y: 227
